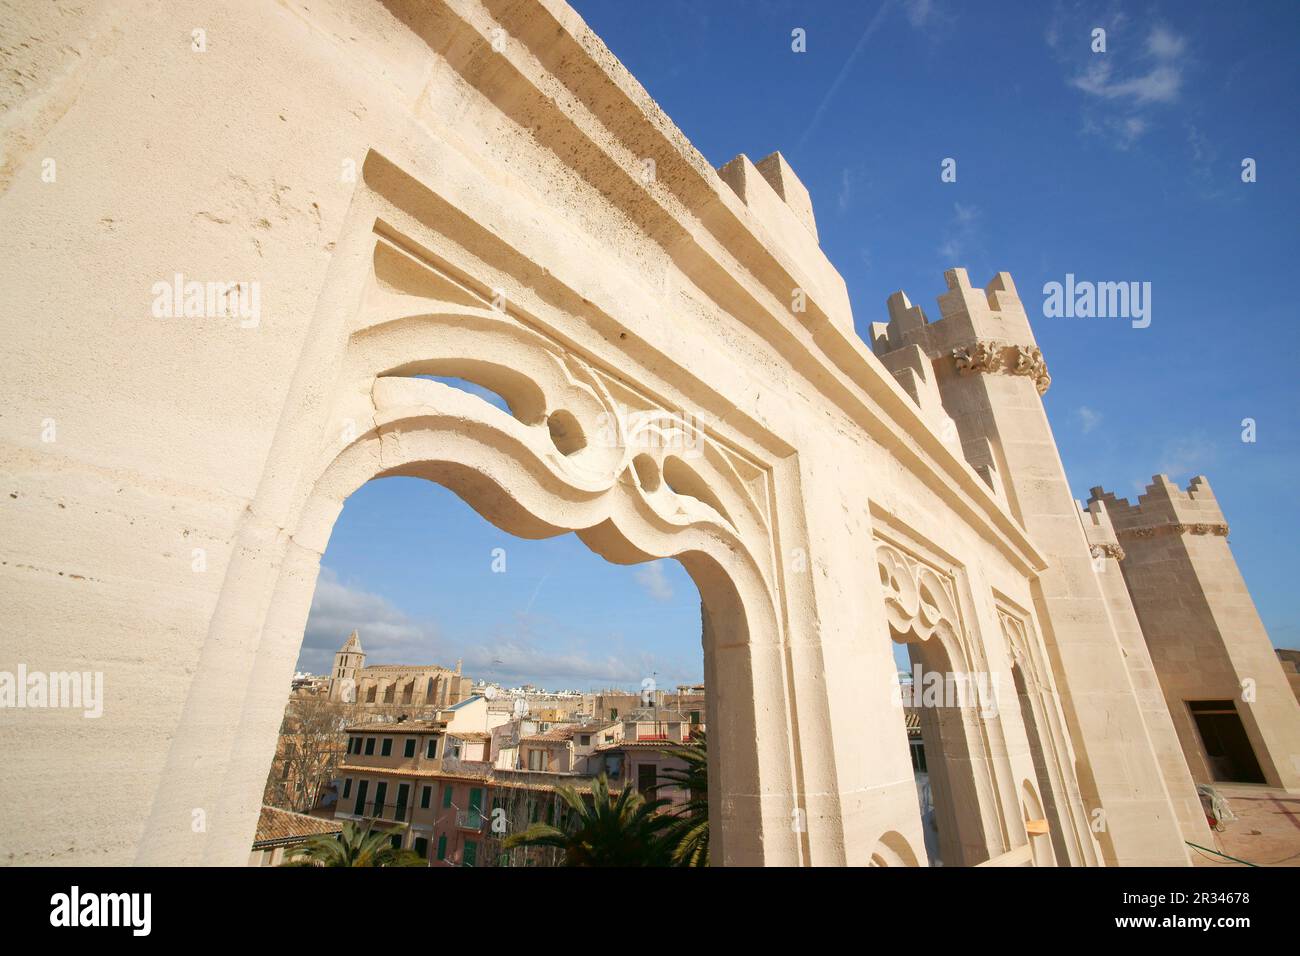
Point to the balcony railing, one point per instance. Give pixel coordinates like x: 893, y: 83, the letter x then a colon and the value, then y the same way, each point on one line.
x: 470, y: 819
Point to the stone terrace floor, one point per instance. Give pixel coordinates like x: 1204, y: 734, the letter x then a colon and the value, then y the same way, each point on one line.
x: 1266, y: 831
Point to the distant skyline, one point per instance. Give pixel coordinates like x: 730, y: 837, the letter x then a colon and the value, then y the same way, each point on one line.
x: 1122, y: 166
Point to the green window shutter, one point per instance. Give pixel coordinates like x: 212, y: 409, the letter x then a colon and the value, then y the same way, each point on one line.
x: 360, y: 807
x: 409, y: 750
x: 475, y: 799
x: 442, y: 847
x: 387, y: 750
x: 446, y: 795
x: 426, y: 794
x: 471, y: 853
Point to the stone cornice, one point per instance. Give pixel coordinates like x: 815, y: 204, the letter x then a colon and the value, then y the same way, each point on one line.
x: 1219, y: 528
x: 993, y: 356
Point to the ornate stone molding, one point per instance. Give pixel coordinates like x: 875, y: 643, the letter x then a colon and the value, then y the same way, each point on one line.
x: 994, y: 356
x: 979, y: 357
x: 1219, y: 528
x: 1109, y: 550
x: 921, y: 601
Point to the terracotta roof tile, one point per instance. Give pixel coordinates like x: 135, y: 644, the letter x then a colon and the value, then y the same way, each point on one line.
x: 276, y: 827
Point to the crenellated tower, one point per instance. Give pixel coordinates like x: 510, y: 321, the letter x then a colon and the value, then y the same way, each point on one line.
x: 1235, y: 714
x: 990, y: 376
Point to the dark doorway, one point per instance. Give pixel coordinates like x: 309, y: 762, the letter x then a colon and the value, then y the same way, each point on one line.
x: 1227, y: 748
x: 647, y: 778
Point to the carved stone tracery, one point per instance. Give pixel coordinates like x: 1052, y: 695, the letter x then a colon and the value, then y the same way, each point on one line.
x: 920, y: 601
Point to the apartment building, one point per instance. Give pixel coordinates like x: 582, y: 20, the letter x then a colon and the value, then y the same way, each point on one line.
x: 453, y: 789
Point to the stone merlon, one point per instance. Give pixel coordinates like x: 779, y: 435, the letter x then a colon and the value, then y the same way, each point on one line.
x: 1164, y: 503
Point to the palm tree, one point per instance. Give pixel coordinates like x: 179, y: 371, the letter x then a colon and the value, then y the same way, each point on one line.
x: 688, y: 835
x: 354, y: 846
x: 625, y: 830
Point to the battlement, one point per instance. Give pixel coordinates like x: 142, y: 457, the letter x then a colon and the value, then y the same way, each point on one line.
x: 783, y: 211
x: 1164, y: 505
x: 789, y: 187
x: 967, y: 315
x: 1099, y: 530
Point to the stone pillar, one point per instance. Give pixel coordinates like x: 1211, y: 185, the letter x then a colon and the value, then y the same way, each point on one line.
x: 1107, y: 555
x: 991, y: 376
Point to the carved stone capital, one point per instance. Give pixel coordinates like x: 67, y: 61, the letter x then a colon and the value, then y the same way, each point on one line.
x: 978, y: 357
x: 1028, y: 360
x: 994, y: 356
x: 1109, y: 550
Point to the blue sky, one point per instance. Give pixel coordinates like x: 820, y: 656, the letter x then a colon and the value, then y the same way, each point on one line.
x: 1115, y: 166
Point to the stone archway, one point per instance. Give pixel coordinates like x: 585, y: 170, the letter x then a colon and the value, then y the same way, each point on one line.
x: 922, y: 614
x: 580, y: 451
x: 1048, y: 744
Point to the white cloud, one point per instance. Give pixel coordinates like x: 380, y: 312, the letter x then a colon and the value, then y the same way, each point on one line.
x: 391, y: 636
x: 962, y: 235
x: 513, y: 661
x: 651, y: 578
x: 1158, y: 85
x: 388, y: 634
x: 1088, y: 418
x: 918, y: 11
x: 1165, y: 44
x: 1182, y: 458
x: 1124, y: 83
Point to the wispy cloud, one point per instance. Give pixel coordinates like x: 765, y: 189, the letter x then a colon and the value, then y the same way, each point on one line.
x: 1181, y: 458
x: 653, y: 582
x: 918, y: 12
x: 1089, y: 418
x: 531, y: 649
x: 1125, y: 83
x: 845, y: 196
x: 961, y: 237
x: 387, y: 632
x: 935, y: 19
x: 1159, y: 82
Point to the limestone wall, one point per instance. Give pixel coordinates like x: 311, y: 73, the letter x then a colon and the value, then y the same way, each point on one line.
x: 422, y: 186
